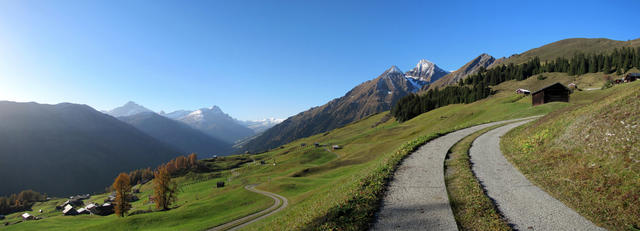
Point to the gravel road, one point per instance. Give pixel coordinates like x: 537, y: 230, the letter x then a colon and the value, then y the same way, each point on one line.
x: 417, y: 196
x: 524, y: 205
x: 279, y: 204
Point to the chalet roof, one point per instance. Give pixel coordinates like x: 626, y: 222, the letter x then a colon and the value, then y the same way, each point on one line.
x: 68, y: 210
x: 26, y: 215
x: 90, y: 206
x: 551, y: 85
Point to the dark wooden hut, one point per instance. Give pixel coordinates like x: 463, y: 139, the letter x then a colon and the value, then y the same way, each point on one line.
x: 553, y: 93
x: 631, y: 77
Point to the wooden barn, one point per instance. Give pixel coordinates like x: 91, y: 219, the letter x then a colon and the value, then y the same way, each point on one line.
x: 631, y: 77
x: 553, y: 93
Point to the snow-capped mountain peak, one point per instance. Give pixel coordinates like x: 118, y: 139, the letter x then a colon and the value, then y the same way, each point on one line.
x: 426, y: 71
x: 129, y: 109
x: 394, y: 69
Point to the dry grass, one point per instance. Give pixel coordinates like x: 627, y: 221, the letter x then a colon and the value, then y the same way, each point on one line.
x: 587, y: 156
x: 471, y: 207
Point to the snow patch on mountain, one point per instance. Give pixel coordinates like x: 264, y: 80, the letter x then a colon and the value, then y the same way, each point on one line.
x: 176, y: 114
x: 261, y: 125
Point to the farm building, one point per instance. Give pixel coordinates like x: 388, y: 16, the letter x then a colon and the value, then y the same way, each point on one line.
x: 631, y: 77
x: 553, y: 93
x: 27, y: 216
x: 523, y: 91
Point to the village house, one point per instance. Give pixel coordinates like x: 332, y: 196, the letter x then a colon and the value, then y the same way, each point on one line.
x: 83, y: 211
x: 69, y: 211
x: 27, y: 216
x: 553, y: 93
x: 523, y: 91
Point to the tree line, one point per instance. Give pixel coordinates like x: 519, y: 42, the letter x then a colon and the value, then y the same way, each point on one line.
x: 20, y: 202
x: 413, y: 105
x: 476, y: 86
x: 164, y: 189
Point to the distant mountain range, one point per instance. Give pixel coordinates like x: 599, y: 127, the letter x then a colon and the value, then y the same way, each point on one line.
x: 217, y: 124
x: 180, y: 135
x: 66, y: 149
x: 259, y: 126
x: 211, y: 121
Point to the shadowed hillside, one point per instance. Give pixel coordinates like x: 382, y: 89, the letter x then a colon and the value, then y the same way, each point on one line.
x: 177, y: 134
x: 68, y: 148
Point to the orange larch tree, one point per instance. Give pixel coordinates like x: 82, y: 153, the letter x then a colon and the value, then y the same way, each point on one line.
x: 123, y: 189
x: 164, y: 190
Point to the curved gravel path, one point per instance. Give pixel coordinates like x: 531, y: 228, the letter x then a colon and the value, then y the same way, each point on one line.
x: 524, y: 205
x: 279, y: 204
x: 417, y: 196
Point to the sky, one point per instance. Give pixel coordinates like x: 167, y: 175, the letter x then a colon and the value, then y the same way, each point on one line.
x: 261, y: 59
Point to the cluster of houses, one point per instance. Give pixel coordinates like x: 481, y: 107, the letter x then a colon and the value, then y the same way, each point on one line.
x: 75, y: 206
x: 70, y: 207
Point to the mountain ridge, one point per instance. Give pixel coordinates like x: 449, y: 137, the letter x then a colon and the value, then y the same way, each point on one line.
x: 484, y: 60
x: 368, y: 98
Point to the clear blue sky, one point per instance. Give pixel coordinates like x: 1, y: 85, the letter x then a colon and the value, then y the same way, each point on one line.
x: 258, y: 59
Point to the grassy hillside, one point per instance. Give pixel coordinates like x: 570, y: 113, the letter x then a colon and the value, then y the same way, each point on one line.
x: 568, y: 47
x: 587, y: 156
x: 324, y: 187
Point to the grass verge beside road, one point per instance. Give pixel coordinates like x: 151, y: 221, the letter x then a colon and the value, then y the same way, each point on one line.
x: 471, y: 207
x: 587, y: 156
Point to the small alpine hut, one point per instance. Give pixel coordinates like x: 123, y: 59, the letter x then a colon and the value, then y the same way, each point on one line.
x: 631, y: 77
x: 553, y: 93
x: 27, y: 216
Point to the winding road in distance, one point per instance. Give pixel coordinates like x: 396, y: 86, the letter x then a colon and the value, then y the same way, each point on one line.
x: 279, y: 204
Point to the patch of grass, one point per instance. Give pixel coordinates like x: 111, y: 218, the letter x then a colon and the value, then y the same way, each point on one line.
x: 587, y: 156
x: 471, y: 207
